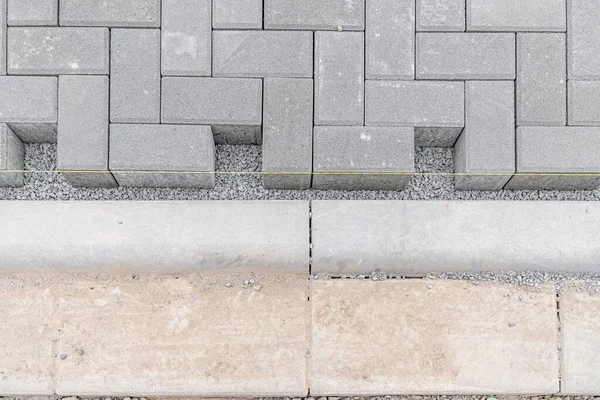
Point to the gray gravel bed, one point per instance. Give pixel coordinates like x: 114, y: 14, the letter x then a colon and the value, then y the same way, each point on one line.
x: 52, y: 186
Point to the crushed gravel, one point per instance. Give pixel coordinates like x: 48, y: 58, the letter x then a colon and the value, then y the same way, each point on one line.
x: 52, y: 186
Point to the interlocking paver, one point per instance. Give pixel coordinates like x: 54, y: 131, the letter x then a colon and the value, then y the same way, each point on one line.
x: 541, y: 79
x: 583, y: 39
x: 57, y: 51
x: 186, y: 37
x: 440, y: 15
x: 315, y: 14
x: 135, y: 76
x: 584, y: 107
x: 83, y: 130
x: 287, y: 133
x: 3, y: 37
x: 233, y: 107
x: 12, y: 156
x: 487, y: 144
x: 186, y: 154
x: 516, y: 15
x: 32, y: 13
x: 111, y: 13
x: 390, y: 39
x: 237, y: 14
x: 263, y: 54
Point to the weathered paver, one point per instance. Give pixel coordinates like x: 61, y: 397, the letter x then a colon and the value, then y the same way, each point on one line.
x: 83, y: 130
x: 363, y: 158
x: 237, y: 14
x: 583, y: 39
x: 28, y: 105
x: 562, y: 156
x: 57, y: 51
x: 516, y: 15
x: 233, y: 107
x: 152, y: 155
x: 440, y: 15
x: 12, y: 156
x: 135, y: 76
x: 315, y: 14
x: 339, y: 78
x: 485, y: 151
x: 186, y: 38
x: 465, y: 55
x: 421, y: 338
x: 287, y: 133
x: 3, y: 37
x: 111, y: 13
x: 584, y: 108
x: 416, y: 237
x: 580, y: 330
x: 263, y: 54
x: 30, y: 13
x: 541, y: 79
x: 390, y: 39
x: 436, y: 109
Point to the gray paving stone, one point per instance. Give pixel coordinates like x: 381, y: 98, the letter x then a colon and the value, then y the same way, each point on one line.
x: 3, y: 37
x: 584, y: 107
x: 440, y: 15
x: 32, y: 13
x: 261, y: 54
x: 58, y: 51
x: 516, y: 15
x: 28, y: 104
x: 583, y: 39
x: 373, y: 151
x: 435, y: 108
x: 390, y: 39
x: 465, y: 55
x: 83, y: 130
x: 135, y: 76
x: 237, y: 14
x: 346, y: 15
x: 111, y: 13
x: 186, y: 37
x: 541, y: 79
x: 487, y: 145
x: 187, y: 152
x: 12, y: 155
x: 565, y: 154
x: 339, y: 78
x: 232, y: 106
x: 287, y: 133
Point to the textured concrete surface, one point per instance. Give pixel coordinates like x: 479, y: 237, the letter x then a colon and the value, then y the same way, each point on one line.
x: 111, y: 13
x: 12, y: 156
x: 516, y: 15
x: 583, y: 107
x: 440, y: 15
x: 237, y: 14
x: 29, y: 13
x: 346, y: 15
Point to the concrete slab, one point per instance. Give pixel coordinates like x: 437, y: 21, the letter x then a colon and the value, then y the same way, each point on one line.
x: 516, y: 15
x: 3, y: 37
x: 583, y: 39
x: 237, y: 14
x: 346, y: 15
x: 30, y: 13
x: 111, y: 13
x: 432, y: 337
x: 154, y: 236
x: 440, y: 15
x: 584, y: 109
x: 417, y: 237
x: 580, y: 329
x: 12, y: 155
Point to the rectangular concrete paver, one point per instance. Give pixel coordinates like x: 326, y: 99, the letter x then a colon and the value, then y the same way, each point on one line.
x: 516, y: 15
x: 580, y: 329
x: 465, y: 55
x: 3, y: 37
x: 12, y: 156
x: 315, y: 14
x: 390, y: 39
x: 584, y: 107
x: 421, y: 337
x: 232, y: 106
x: 583, y: 39
x: 83, y: 130
x: 237, y: 14
x: 262, y: 54
x: 339, y: 78
x: 58, y: 51
x: 541, y: 79
x: 111, y: 13
x: 139, y: 152
x: 135, y: 76
x: 287, y: 133
x: 440, y: 15
x: 186, y: 37
x: 485, y: 151
x: 32, y: 13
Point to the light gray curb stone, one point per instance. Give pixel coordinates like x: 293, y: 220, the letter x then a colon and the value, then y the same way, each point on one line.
x: 237, y: 14
x: 583, y: 39
x: 154, y: 236
x: 417, y: 237
x: 187, y: 152
x: 263, y: 54
x: 12, y: 154
x: 186, y: 38
x: 32, y: 13
x: 287, y: 133
x: 584, y: 107
x: 3, y: 37
x: 58, y: 51
x: 440, y: 15
x: 346, y: 15
x: 516, y: 15
x: 111, y: 13
x: 83, y: 130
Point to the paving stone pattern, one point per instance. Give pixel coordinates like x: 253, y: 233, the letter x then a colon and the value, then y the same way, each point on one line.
x: 337, y: 92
